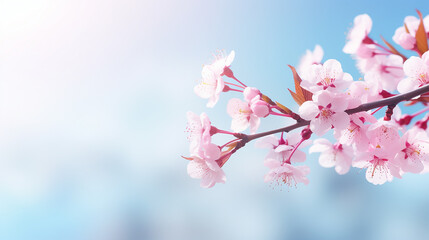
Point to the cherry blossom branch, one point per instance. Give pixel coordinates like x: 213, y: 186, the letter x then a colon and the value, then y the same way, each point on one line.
x: 382, y: 142
x: 364, y: 107
x: 248, y: 138
x: 390, y: 100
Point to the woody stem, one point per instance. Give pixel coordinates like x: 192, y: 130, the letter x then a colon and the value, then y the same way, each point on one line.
x: 363, y: 107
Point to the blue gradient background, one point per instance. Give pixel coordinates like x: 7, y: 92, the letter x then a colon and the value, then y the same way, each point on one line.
x: 93, y: 96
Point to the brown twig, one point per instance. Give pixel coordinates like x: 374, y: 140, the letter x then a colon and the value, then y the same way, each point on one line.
x: 363, y: 107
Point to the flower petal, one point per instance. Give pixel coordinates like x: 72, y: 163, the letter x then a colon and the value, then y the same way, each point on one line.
x: 320, y: 145
x: 340, y: 120
x: 308, y: 110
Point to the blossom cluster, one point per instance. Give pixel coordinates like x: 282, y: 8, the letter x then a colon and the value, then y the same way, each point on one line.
x: 331, y: 105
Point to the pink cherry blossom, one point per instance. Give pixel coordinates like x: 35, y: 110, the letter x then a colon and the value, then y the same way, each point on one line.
x: 384, y: 147
x: 221, y: 62
x: 259, y: 107
x: 355, y: 133
x: 406, y: 39
x: 417, y: 70
x: 367, y: 51
x: 384, y: 135
x: 386, y: 70
x: 365, y: 91
x: 324, y: 112
x: 281, y: 149
x: 242, y: 116
x: 285, y: 173
x: 199, y: 132
x: 212, y: 83
x: 204, y: 165
x: 208, y: 173
x: 362, y: 27
x: 329, y: 76
x: 414, y: 151
x: 379, y: 166
x: 210, y: 86
x: 279, y: 160
x: 310, y: 58
x: 337, y: 155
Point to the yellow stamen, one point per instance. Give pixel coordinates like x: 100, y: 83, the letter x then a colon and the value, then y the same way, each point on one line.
x: 243, y: 111
x: 325, y: 113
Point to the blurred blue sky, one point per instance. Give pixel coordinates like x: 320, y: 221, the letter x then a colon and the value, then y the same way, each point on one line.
x: 93, y: 102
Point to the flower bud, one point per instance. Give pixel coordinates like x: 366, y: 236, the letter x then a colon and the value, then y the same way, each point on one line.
x: 306, y: 133
x: 260, y: 108
x: 250, y: 92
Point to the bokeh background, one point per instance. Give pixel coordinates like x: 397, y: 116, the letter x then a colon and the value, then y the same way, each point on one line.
x: 93, y: 102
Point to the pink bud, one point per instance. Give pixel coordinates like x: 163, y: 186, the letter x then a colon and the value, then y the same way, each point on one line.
x: 250, y: 93
x: 406, y: 40
x: 260, y: 108
x: 306, y: 133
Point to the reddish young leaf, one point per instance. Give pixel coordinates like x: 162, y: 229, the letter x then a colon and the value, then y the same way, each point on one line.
x: 421, y: 37
x: 267, y: 99
x: 230, y: 146
x: 393, y: 49
x: 308, y: 96
x: 223, y: 159
x: 406, y: 29
x: 285, y: 109
x: 282, y: 108
x: 297, y: 79
x: 298, y: 99
x: 301, y: 94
